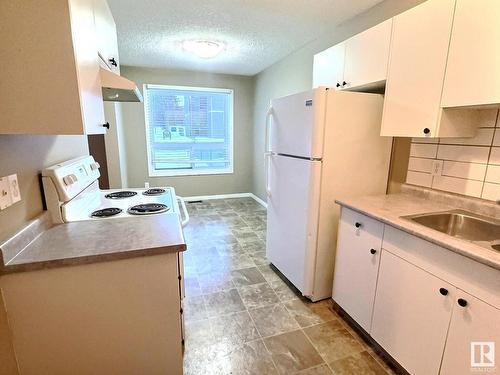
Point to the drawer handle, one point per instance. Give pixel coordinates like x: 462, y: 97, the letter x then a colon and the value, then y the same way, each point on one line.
x: 461, y: 302
x: 357, y: 225
x: 373, y: 251
x: 443, y: 291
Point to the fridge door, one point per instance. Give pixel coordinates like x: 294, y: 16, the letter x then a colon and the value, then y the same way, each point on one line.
x: 297, y: 124
x: 292, y: 218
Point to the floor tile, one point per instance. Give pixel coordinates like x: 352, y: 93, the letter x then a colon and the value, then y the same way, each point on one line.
x: 307, y: 313
x: 292, y: 352
x: 258, y: 295
x: 234, y: 329
x: 212, y: 282
x: 273, y: 320
x: 283, y: 291
x: 360, y: 363
x: 194, y: 308
x: 333, y: 341
x: 224, y: 302
x: 268, y: 273
x: 247, y: 276
x: 251, y: 358
x: 191, y: 286
x: 259, y: 258
x: 318, y: 370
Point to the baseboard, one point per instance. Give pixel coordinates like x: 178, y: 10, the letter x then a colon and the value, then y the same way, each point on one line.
x: 225, y: 196
x: 258, y: 200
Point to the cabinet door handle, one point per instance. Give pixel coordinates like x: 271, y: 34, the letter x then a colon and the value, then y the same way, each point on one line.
x: 344, y: 83
x: 373, y: 251
x: 357, y: 225
x: 461, y: 302
x: 427, y: 130
x: 113, y: 61
x: 443, y: 291
x: 106, y: 125
x: 338, y: 84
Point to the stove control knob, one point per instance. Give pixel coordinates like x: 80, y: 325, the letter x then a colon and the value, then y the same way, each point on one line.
x: 95, y: 166
x: 68, y: 180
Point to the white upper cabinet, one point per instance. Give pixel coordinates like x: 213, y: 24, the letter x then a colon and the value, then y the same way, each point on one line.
x: 52, y: 83
x: 366, y: 57
x: 358, y: 64
x: 107, y: 43
x: 328, y: 67
x: 473, y: 70
x: 472, y: 321
x: 417, y: 65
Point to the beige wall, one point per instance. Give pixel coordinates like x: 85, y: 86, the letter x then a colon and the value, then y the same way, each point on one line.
x: 135, y: 137
x: 27, y: 155
x: 294, y: 74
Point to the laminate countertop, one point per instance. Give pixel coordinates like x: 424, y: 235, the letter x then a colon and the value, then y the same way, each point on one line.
x: 391, y: 208
x: 43, y: 245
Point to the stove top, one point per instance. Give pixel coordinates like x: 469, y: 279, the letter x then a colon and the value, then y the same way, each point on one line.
x: 106, y: 212
x: 154, y: 191
x: 120, y: 194
x: 148, y: 209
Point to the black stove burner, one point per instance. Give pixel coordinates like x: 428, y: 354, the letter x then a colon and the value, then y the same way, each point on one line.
x: 147, y: 209
x: 106, y: 212
x: 154, y: 191
x: 120, y: 194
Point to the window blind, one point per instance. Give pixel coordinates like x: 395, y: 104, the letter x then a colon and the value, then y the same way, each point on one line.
x: 189, y: 130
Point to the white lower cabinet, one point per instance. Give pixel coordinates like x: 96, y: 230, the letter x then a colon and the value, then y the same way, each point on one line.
x: 356, y: 265
x: 411, y: 315
x: 433, y: 310
x: 473, y: 328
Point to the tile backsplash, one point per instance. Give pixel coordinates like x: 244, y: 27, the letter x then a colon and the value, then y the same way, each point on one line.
x: 468, y: 166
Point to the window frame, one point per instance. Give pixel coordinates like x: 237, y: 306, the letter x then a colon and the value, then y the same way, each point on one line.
x: 189, y: 172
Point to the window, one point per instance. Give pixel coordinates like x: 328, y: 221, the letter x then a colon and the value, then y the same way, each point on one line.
x: 189, y: 130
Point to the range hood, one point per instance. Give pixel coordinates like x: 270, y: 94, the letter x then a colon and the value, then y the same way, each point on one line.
x: 116, y: 88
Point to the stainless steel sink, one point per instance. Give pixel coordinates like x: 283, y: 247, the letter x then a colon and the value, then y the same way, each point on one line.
x: 465, y: 225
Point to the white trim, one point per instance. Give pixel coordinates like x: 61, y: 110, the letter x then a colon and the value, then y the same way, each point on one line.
x: 189, y: 172
x: 225, y: 196
x: 258, y: 200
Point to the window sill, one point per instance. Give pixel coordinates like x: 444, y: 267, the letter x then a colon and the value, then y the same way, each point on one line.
x: 185, y: 173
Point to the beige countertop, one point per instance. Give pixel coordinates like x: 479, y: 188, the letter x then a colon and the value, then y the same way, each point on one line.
x: 41, y: 245
x: 390, y: 209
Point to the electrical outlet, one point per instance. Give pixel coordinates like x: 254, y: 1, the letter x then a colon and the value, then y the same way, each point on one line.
x: 5, y: 199
x: 437, y: 168
x: 15, y: 192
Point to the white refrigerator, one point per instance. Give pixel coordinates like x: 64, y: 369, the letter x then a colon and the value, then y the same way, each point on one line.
x: 320, y: 145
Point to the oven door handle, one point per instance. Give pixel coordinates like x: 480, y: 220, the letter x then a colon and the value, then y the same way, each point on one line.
x: 184, y: 209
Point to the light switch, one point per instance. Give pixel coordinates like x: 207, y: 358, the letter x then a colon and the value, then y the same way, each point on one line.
x: 15, y: 192
x: 5, y: 200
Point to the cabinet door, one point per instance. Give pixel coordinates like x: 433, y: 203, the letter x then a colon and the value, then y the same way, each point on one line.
x: 356, y: 265
x: 366, y: 56
x: 475, y: 322
x: 411, y: 316
x: 472, y: 73
x: 328, y: 67
x: 417, y: 61
x: 107, y: 43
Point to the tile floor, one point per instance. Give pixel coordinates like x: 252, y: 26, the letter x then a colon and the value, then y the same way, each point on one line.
x: 242, y: 318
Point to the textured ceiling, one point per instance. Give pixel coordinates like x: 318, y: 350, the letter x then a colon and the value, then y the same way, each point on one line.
x: 257, y: 32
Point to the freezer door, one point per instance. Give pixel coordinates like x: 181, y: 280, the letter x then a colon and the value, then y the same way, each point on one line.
x: 297, y: 124
x: 292, y: 218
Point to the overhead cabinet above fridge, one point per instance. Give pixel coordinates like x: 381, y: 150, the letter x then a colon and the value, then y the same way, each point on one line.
x: 357, y: 64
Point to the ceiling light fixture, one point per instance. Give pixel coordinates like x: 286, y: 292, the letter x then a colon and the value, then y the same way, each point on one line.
x: 206, y: 49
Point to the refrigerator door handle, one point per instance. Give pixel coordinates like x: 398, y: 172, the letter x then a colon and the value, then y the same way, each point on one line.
x: 268, y: 155
x: 268, y: 129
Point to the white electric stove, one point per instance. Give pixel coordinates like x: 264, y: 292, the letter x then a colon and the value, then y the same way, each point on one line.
x: 72, y: 194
